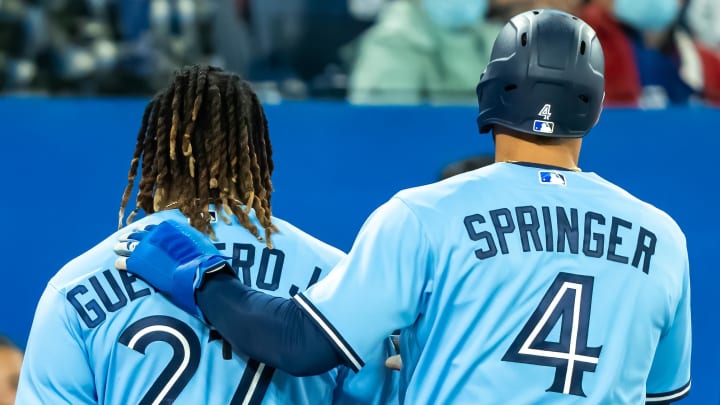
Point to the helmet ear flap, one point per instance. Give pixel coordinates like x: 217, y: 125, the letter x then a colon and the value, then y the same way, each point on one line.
x: 478, y: 88
x: 483, y: 127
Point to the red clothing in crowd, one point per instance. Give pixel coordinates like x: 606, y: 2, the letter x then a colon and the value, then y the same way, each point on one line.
x: 622, y: 77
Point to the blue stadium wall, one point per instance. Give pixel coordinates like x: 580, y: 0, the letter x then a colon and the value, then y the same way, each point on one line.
x: 64, y: 166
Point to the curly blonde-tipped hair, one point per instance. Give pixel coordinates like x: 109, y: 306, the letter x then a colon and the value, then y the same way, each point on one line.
x: 205, y: 137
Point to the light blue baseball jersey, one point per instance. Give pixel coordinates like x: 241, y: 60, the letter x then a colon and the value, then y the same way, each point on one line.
x: 517, y: 284
x: 102, y: 336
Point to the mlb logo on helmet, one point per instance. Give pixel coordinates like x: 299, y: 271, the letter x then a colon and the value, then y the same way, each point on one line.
x: 551, y: 177
x: 545, y: 127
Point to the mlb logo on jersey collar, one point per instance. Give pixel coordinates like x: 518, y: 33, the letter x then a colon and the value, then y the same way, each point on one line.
x: 551, y: 177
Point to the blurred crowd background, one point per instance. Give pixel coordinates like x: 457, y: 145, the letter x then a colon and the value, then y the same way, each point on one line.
x: 658, y: 52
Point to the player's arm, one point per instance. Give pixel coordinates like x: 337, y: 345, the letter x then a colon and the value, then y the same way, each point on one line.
x: 184, y: 266
x: 55, y: 368
x: 669, y: 378
x: 344, y: 317
x: 304, y: 335
x: 273, y: 330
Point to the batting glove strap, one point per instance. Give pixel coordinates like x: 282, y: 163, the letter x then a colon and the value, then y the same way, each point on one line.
x: 190, y: 276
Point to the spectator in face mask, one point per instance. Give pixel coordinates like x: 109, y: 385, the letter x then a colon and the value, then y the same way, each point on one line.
x: 651, y: 61
x: 423, y: 51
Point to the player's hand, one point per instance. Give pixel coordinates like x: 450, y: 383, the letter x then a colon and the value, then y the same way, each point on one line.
x: 174, y: 258
x: 394, y: 362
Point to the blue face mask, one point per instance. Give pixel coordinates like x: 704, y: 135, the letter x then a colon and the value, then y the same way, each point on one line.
x: 647, y: 15
x: 455, y: 13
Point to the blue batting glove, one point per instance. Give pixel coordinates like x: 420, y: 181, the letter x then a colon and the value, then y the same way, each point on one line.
x: 174, y: 258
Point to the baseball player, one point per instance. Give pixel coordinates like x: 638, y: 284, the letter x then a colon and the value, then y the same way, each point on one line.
x: 101, y: 336
x: 527, y: 281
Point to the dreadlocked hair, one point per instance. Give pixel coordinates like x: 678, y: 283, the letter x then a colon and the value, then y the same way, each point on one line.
x: 204, y: 140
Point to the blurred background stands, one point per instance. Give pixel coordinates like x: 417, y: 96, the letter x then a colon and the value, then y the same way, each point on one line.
x: 658, y: 52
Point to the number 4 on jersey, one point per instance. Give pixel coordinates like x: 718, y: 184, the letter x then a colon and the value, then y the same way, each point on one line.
x: 569, y: 297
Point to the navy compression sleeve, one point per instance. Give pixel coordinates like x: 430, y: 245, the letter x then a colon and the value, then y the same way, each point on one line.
x: 275, y: 331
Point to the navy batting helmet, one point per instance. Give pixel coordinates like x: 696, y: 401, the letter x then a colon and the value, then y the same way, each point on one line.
x: 545, y: 77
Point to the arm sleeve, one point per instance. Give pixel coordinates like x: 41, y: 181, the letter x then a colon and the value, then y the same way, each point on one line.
x: 669, y: 378
x: 295, y: 335
x: 55, y: 368
x: 275, y: 331
x: 378, y: 288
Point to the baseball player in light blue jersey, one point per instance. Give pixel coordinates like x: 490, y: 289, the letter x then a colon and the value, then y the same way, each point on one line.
x: 524, y: 282
x: 101, y: 336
